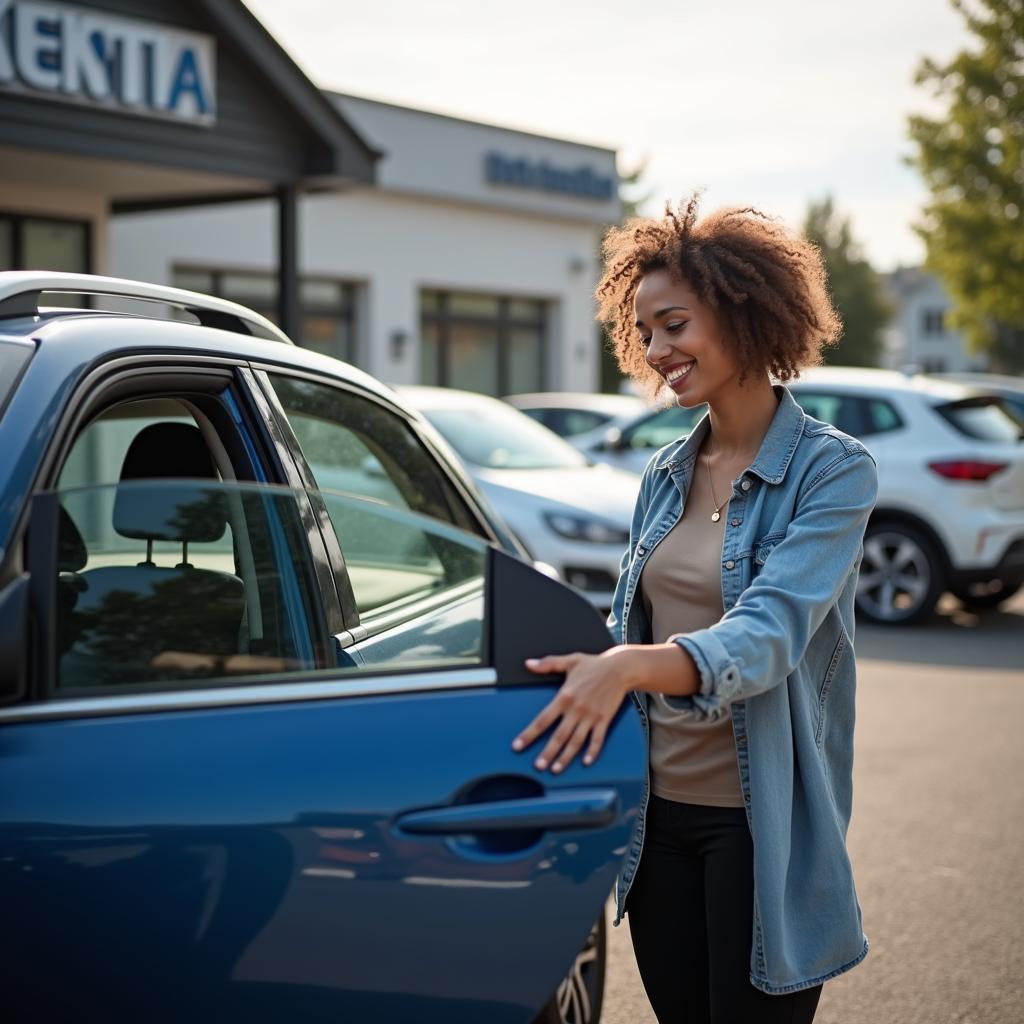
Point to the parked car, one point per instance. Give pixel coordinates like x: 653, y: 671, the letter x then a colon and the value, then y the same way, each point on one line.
x: 574, y: 414
x: 630, y: 444
x: 569, y: 513
x: 950, y: 511
x: 256, y: 734
x: 1009, y: 389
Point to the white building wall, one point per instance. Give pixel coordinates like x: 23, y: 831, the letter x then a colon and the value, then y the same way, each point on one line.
x: 446, y: 157
x: 393, y: 246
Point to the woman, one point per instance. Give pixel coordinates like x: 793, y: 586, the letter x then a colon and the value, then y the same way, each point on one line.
x: 734, y: 618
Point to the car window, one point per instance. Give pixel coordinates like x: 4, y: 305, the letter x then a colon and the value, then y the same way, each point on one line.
x: 984, y: 418
x: 542, y: 416
x: 568, y: 422
x: 1014, y: 405
x: 13, y: 359
x: 880, y: 416
x: 662, y: 427
x: 98, y: 453
x: 499, y: 437
x: 162, y: 584
x: 406, y: 569
x: 357, y: 447
x: 839, y: 410
x: 168, y: 581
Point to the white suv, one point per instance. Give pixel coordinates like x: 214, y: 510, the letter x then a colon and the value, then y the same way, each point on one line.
x: 950, y: 513
x: 950, y: 510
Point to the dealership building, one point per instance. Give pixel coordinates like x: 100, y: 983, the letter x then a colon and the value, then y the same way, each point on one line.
x: 176, y: 142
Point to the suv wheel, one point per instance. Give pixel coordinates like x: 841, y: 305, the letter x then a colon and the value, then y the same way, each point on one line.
x: 579, y: 997
x: 900, y: 577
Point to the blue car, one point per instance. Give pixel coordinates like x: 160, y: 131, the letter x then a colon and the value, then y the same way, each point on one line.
x: 261, y: 663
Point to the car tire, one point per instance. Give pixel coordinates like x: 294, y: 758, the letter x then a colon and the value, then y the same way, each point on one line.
x: 901, y: 576
x: 987, y: 595
x: 579, y: 997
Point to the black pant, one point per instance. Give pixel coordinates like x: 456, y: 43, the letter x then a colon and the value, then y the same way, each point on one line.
x: 691, y: 912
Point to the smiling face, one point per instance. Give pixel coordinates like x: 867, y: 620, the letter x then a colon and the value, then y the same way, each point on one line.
x: 683, y: 341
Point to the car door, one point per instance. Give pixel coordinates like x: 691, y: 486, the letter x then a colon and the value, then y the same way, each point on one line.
x: 216, y: 804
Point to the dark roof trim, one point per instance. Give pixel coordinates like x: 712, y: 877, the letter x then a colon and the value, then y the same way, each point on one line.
x: 351, y: 156
x: 151, y: 203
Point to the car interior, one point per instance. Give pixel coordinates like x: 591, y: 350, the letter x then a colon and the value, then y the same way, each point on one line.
x: 172, y: 571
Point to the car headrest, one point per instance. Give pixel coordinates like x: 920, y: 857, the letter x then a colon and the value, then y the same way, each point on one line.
x: 179, y: 511
x: 71, y: 554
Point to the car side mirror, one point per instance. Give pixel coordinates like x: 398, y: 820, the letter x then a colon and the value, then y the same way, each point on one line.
x: 14, y: 640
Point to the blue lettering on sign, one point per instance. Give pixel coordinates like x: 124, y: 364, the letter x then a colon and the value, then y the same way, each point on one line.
x: 186, y: 80
x: 116, y: 63
x: 48, y: 59
x: 581, y: 182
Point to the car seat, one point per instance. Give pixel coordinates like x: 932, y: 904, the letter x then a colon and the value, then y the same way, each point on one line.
x: 125, y: 617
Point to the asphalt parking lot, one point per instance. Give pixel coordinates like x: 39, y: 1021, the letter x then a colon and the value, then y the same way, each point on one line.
x: 937, y: 832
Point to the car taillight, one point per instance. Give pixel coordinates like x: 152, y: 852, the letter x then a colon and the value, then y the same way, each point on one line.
x: 966, y: 469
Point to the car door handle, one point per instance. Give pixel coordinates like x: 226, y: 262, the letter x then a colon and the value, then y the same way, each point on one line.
x: 565, y: 809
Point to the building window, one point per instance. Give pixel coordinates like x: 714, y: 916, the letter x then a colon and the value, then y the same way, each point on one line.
x: 44, y: 243
x: 327, y: 306
x: 933, y: 322
x: 487, y: 343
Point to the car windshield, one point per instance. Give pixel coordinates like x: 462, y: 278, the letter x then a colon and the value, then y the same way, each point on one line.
x: 12, y: 361
x: 501, y: 438
x: 984, y: 418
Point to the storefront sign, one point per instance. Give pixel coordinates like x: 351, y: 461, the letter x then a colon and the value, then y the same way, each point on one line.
x: 123, y: 64
x: 581, y: 182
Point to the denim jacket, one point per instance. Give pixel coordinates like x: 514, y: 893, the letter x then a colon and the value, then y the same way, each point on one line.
x: 782, y: 658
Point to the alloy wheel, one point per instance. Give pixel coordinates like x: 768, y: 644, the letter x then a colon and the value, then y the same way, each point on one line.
x: 575, y: 996
x: 898, y: 577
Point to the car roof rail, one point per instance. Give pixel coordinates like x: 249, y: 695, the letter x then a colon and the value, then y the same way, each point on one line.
x: 20, y: 291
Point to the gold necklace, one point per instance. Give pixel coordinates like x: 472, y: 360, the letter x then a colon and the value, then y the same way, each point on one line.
x: 717, y: 514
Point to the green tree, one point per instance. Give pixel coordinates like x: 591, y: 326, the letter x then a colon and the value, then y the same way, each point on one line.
x: 971, y: 157
x: 856, y: 288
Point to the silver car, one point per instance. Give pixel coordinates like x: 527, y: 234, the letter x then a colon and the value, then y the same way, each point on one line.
x: 578, y: 414
x: 568, y: 512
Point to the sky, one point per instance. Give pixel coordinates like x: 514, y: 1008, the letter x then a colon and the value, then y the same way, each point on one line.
x: 770, y: 103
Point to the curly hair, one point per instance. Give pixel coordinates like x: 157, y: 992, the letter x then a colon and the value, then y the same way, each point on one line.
x: 766, y: 285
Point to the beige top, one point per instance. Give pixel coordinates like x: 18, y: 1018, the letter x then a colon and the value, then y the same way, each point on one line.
x: 691, y: 761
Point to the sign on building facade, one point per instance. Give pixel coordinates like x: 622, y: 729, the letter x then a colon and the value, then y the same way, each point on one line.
x: 62, y: 52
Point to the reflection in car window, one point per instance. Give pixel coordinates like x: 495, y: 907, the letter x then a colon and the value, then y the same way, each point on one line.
x: 503, y: 438
x: 163, y: 582
x: 400, y: 562
x: 355, y: 446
